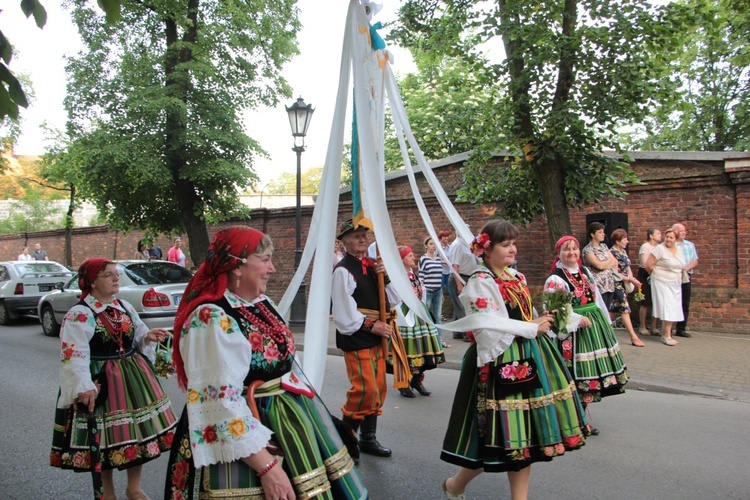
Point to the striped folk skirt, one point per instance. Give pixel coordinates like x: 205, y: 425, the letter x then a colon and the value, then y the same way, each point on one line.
x: 424, y: 350
x: 309, y: 449
x: 136, y: 423
x: 593, y: 357
x: 494, y: 428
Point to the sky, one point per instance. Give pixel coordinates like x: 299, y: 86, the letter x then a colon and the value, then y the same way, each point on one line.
x: 313, y: 75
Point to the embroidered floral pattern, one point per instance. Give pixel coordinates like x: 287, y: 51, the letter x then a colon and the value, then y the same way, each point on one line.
x: 224, y: 432
x: 516, y: 371
x: 69, y: 352
x: 213, y: 393
x: 482, y: 305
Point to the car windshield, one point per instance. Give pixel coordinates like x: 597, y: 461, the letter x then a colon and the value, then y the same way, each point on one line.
x: 45, y: 267
x: 157, y: 273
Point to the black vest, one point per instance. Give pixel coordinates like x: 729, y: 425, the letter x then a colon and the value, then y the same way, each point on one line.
x: 366, y: 297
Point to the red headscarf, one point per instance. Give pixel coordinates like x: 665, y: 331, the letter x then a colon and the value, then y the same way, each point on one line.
x: 88, y: 272
x: 403, y: 251
x: 558, y: 247
x: 226, y: 252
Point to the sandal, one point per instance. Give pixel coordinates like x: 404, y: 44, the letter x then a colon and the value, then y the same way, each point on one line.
x: 644, y: 332
x: 637, y: 343
x: 450, y: 495
x: 668, y: 341
x: 445, y: 344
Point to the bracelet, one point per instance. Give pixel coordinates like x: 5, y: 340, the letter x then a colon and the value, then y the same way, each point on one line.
x: 273, y: 463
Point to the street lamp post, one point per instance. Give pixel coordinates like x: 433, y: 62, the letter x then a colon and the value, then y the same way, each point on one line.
x: 300, y: 115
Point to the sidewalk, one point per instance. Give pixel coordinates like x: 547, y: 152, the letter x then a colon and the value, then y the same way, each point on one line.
x: 709, y: 364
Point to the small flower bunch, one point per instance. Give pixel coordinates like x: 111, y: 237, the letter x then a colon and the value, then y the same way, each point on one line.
x: 639, y: 297
x: 479, y: 244
x: 557, y: 300
x: 163, y: 366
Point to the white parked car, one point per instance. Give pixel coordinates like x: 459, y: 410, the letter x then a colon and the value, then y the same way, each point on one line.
x: 154, y: 288
x: 22, y: 282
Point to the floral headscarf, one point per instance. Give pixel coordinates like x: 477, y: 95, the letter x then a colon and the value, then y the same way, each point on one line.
x: 558, y: 247
x: 88, y: 272
x: 228, y: 250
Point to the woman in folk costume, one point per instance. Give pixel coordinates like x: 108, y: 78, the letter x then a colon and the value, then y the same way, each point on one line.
x: 515, y: 403
x: 589, y: 347
x: 230, y: 339
x: 421, y: 341
x: 105, y: 374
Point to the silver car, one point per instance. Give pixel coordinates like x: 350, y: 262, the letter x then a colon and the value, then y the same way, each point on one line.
x: 154, y: 288
x: 22, y: 282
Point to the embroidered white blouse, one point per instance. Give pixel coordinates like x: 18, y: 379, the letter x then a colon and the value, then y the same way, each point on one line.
x: 481, y: 295
x: 75, y: 333
x: 217, y: 358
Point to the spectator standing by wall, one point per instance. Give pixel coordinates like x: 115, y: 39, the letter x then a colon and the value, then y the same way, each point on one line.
x: 155, y: 252
x: 598, y: 258
x: 653, y: 238
x: 690, y: 255
x: 175, y: 253
x: 141, y: 252
x: 431, y: 274
x: 38, y: 253
x: 24, y: 255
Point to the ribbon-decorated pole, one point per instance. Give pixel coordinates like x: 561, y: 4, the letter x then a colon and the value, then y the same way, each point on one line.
x: 393, y: 347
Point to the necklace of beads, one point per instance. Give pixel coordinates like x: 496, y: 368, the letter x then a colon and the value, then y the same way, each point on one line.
x: 580, y: 287
x: 112, y: 322
x: 268, y: 325
x: 415, y: 284
x: 514, y: 292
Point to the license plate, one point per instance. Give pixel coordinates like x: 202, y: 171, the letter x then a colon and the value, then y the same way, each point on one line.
x: 46, y: 288
x: 176, y: 299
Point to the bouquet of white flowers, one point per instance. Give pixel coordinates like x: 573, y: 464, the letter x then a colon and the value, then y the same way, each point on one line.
x: 557, y: 300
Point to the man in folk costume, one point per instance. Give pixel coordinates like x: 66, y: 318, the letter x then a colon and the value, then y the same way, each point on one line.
x: 361, y: 334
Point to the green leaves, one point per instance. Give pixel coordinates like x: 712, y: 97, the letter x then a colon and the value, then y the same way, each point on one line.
x: 111, y: 9
x: 33, y: 7
x: 569, y: 75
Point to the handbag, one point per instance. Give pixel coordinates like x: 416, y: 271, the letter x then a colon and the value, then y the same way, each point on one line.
x: 629, y: 287
x: 516, y: 376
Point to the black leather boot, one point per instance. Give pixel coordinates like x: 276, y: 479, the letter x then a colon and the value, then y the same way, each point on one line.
x: 352, y: 443
x: 367, y: 441
x: 407, y: 393
x: 416, y: 383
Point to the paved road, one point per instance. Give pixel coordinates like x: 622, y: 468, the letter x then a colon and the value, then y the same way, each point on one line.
x: 653, y: 445
x: 709, y: 364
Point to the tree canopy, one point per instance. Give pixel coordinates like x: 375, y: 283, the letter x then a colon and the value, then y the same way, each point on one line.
x: 154, y: 105
x: 709, y: 109
x: 286, y: 182
x: 569, y: 74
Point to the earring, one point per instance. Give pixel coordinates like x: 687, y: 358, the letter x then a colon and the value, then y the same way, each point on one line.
x: 237, y: 283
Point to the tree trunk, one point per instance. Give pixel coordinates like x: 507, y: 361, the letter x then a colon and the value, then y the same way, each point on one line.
x: 177, y: 87
x: 547, y: 171
x: 551, y: 186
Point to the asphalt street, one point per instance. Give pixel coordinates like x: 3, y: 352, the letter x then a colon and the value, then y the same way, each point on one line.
x: 655, y: 442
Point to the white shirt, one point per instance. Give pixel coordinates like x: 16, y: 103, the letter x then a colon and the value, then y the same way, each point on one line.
x: 24, y: 256
x: 461, y: 256
x: 345, y: 315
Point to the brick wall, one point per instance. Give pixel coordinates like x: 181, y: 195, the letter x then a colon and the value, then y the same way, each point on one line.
x: 709, y: 195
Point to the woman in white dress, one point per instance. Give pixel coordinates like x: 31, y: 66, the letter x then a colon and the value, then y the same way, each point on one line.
x: 666, y: 266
